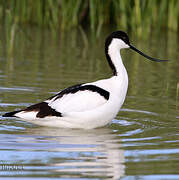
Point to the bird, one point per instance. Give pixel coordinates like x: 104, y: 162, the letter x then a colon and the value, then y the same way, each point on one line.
x: 89, y: 105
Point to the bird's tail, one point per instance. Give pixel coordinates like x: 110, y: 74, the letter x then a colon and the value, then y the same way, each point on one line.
x: 10, y: 114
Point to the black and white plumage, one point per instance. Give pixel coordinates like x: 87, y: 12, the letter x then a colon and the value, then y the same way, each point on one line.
x: 87, y: 105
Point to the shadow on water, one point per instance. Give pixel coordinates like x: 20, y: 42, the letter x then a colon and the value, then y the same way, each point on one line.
x: 60, y: 152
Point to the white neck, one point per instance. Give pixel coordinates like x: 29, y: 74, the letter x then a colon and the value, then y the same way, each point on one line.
x: 115, y: 56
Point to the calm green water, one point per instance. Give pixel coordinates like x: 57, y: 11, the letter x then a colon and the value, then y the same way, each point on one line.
x: 141, y: 143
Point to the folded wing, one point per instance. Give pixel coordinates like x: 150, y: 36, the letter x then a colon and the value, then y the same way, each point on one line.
x: 78, y: 98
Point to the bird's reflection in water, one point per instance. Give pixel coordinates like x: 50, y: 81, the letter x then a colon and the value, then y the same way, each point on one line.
x: 83, y: 153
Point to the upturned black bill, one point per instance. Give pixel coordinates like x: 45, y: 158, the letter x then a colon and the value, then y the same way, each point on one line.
x: 148, y: 57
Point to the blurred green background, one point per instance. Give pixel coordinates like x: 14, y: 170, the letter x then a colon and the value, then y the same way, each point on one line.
x: 136, y: 15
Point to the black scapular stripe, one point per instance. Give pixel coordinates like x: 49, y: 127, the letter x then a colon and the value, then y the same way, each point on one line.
x: 79, y: 87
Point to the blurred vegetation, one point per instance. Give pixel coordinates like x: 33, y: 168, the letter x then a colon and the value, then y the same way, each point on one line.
x: 136, y: 15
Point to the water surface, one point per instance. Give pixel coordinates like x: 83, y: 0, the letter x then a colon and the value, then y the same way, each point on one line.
x: 141, y: 143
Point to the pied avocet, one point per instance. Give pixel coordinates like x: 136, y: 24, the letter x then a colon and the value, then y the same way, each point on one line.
x: 88, y: 105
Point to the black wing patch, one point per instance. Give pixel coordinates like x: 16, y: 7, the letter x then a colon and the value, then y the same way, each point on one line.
x: 43, y: 110
x: 78, y: 88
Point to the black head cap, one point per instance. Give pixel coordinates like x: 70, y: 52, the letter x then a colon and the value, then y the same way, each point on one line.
x: 118, y: 35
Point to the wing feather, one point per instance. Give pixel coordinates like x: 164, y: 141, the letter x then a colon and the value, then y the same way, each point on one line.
x: 79, y: 98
